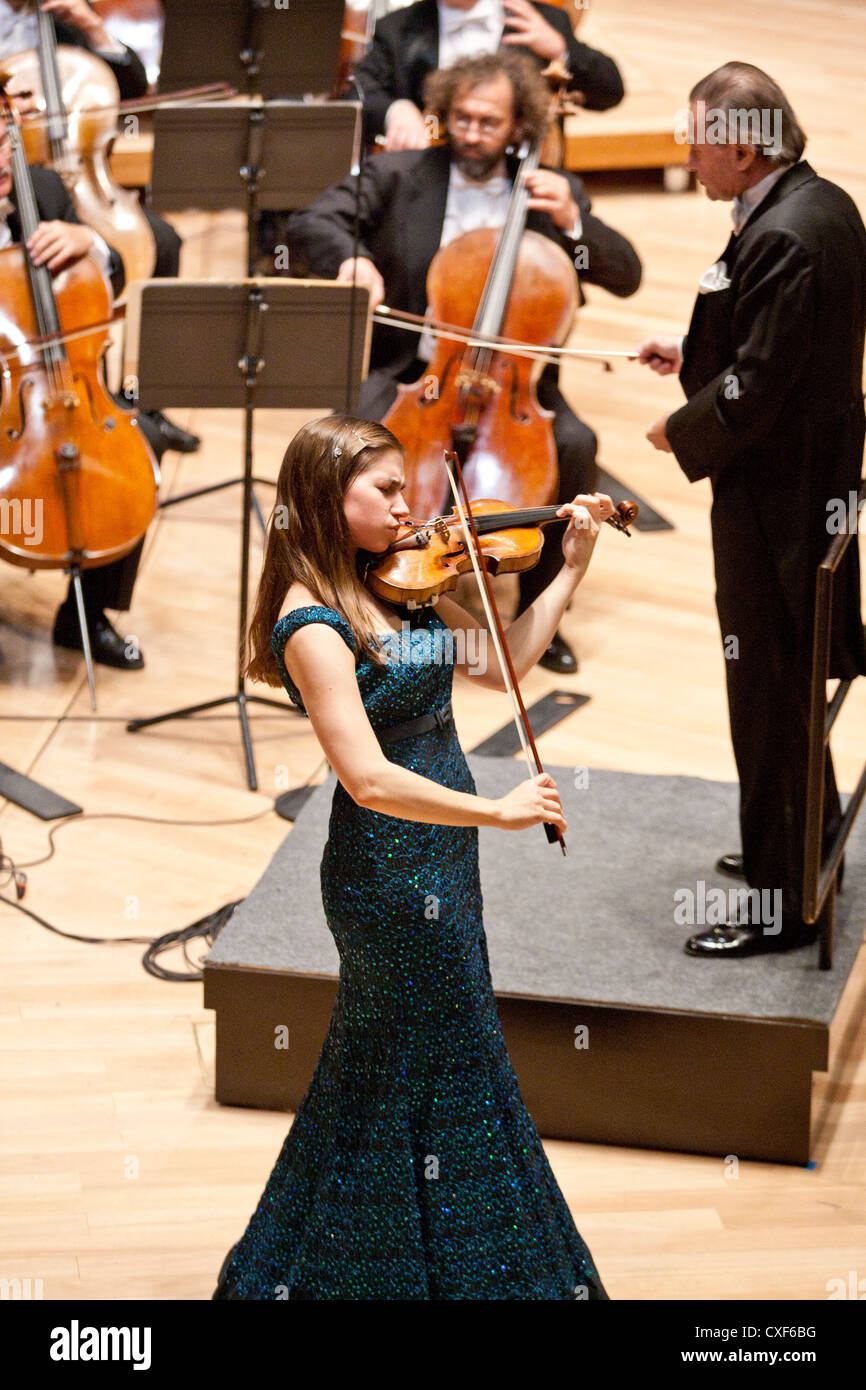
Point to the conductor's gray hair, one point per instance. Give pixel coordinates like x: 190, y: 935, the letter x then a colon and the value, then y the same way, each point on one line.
x: 740, y: 89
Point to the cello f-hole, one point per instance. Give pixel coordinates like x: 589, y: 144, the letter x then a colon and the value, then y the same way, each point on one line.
x: 441, y: 383
x: 104, y: 423
x: 521, y: 417
x: 13, y: 432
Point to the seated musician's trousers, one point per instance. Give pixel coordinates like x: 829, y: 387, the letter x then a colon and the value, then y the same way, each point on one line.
x: 168, y: 245
x: 108, y: 586
x: 576, y: 448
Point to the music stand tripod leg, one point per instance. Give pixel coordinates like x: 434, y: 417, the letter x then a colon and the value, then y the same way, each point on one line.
x: 85, y: 634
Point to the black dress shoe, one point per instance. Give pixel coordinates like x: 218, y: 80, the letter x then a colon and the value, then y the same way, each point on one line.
x: 172, y: 436
x: 735, y: 940
x: 732, y: 865
x: 559, y: 657
x: 107, y: 646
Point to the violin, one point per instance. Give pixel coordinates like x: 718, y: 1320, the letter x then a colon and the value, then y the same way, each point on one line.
x: 76, y: 101
x: 450, y: 555
x: 78, y: 484
x: 428, y: 557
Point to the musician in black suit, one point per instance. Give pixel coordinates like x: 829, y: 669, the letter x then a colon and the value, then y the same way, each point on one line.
x: 415, y: 40
x: 772, y: 365
x: 77, y: 24
x: 414, y: 201
x: 61, y: 239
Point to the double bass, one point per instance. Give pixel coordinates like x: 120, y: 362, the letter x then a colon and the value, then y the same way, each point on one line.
x: 72, y: 457
x: 76, y: 100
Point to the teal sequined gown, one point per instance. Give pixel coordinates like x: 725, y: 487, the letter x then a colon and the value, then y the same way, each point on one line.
x: 413, y: 1169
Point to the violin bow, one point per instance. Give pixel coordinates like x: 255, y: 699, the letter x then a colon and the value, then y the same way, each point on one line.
x: 495, y: 628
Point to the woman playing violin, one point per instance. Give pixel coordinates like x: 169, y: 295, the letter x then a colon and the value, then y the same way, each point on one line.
x: 413, y: 1169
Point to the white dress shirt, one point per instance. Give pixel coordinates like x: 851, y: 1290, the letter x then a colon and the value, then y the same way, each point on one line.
x: 745, y: 205
x: 466, y: 33
x: 19, y: 31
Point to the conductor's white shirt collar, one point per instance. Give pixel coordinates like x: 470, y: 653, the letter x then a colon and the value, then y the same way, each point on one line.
x: 745, y: 205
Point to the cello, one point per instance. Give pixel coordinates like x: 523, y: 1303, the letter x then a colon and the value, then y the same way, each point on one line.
x: 76, y: 102
x: 480, y: 402
x: 74, y: 461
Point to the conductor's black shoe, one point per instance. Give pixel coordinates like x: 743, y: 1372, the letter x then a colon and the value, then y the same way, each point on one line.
x: 172, y: 436
x: 732, y: 865
x: 559, y: 657
x: 735, y: 940
x: 108, y: 648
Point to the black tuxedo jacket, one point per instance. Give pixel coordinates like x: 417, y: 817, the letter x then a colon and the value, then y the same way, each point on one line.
x: 127, y: 67
x: 403, y: 198
x: 405, y: 47
x: 772, y: 368
x: 55, y: 205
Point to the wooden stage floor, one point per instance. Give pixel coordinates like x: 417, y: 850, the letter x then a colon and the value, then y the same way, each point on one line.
x: 120, y: 1175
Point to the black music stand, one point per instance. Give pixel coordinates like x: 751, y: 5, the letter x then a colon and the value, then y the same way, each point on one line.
x: 275, y: 343
x: 255, y: 158
x: 256, y: 45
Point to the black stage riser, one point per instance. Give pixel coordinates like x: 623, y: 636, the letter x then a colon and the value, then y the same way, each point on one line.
x: 724, y: 1086
x: 710, y: 1057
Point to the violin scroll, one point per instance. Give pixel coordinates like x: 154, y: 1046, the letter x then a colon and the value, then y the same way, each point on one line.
x: 626, y: 513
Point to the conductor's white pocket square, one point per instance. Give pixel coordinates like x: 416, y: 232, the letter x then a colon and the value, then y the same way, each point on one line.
x: 716, y: 278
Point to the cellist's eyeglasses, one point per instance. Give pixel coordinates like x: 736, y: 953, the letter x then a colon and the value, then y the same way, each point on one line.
x: 487, y: 125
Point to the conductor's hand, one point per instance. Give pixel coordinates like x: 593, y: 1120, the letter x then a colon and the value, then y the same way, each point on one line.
x: 57, y: 244
x: 657, y: 435
x: 661, y: 354
x: 531, y: 803
x: 405, y: 128
x: 363, y: 272
x: 586, y: 514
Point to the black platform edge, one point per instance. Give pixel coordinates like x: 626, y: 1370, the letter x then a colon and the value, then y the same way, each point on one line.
x: 637, y: 1077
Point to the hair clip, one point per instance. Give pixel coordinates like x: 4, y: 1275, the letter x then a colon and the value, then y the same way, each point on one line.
x: 337, y: 451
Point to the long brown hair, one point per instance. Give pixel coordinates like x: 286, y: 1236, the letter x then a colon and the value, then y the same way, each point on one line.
x: 308, y: 536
